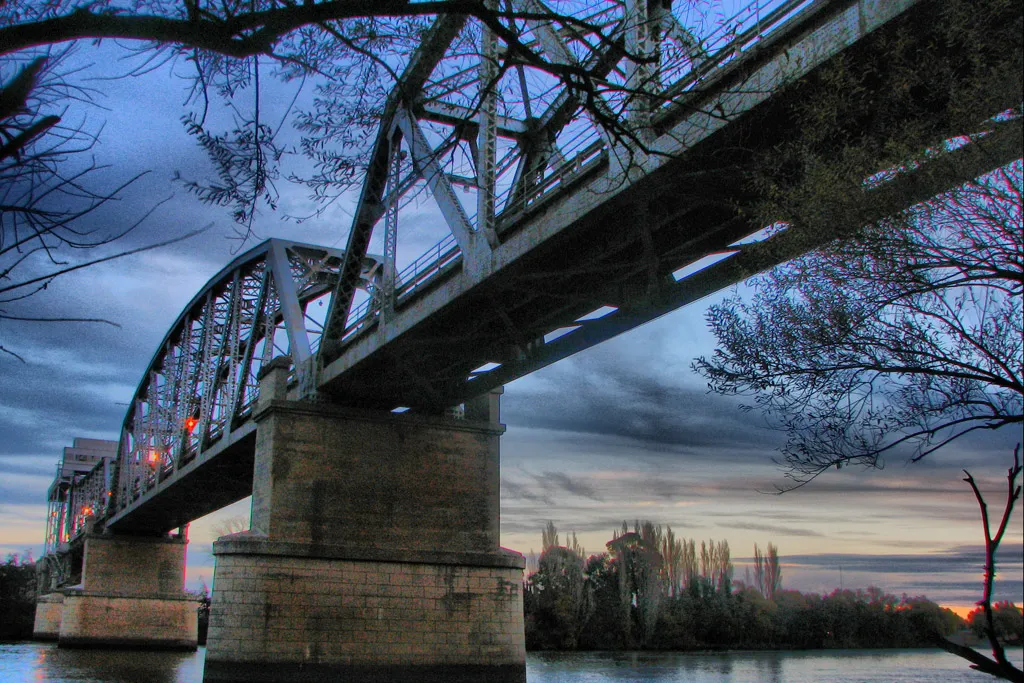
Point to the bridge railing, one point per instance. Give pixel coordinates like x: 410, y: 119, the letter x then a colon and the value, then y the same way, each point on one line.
x: 728, y: 40
x: 438, y: 258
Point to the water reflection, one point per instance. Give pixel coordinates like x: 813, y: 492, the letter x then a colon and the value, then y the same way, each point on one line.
x: 31, y: 662
x: 45, y: 662
x: 769, y: 667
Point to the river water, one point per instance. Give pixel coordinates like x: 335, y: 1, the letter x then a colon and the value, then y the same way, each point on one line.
x: 31, y: 662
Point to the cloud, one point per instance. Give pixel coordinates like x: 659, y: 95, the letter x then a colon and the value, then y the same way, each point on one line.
x: 594, y: 397
x: 955, y: 559
x: 22, y: 495
x: 774, y: 529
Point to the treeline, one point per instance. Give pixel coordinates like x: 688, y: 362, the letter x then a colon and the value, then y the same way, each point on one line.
x: 17, y: 597
x: 652, y: 590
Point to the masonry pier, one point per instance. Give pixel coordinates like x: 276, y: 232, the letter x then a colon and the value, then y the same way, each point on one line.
x: 131, y: 595
x: 49, y: 610
x: 373, y: 551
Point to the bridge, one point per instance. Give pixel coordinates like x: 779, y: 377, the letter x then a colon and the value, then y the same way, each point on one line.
x: 357, y: 400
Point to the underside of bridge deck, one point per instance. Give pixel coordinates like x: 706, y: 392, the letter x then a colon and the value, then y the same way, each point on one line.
x: 623, y: 252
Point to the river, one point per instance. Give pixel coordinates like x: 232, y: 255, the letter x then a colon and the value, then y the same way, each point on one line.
x: 25, y: 662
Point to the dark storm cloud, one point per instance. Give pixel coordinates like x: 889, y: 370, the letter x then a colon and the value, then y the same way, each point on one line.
x: 1002, y: 587
x: 44, y: 404
x: 519, y: 492
x: 573, y: 485
x: 638, y: 407
x: 531, y: 520
x: 31, y: 468
x: 546, y: 487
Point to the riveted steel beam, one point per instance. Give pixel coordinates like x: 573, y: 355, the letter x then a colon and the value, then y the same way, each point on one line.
x: 425, y: 162
x: 370, y: 207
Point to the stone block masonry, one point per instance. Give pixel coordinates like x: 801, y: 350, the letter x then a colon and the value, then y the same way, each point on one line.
x: 49, y: 608
x: 281, y: 617
x: 373, y: 553
x: 132, y: 595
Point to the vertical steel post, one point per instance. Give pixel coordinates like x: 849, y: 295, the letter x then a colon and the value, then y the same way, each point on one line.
x: 390, y: 272
x: 639, y: 71
x: 487, y: 135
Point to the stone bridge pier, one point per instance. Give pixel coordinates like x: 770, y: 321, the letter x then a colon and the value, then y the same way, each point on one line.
x: 131, y: 595
x: 373, y: 552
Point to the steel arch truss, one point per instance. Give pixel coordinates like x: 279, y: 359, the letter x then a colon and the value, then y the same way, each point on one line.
x: 202, y: 383
x: 493, y: 108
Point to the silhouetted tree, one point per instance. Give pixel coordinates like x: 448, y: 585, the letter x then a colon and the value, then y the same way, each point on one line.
x: 903, y: 330
x: 560, y: 597
x: 17, y: 597
x: 49, y: 185
x: 767, y: 571
x: 705, y: 615
x: 998, y: 665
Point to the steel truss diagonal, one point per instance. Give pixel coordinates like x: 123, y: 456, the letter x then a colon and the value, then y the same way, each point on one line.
x: 201, y: 385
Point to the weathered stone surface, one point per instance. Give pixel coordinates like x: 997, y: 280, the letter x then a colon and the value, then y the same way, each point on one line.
x: 342, y: 477
x: 134, y: 566
x: 373, y: 553
x: 132, y: 595
x: 332, y: 612
x: 48, y: 616
x: 112, y: 621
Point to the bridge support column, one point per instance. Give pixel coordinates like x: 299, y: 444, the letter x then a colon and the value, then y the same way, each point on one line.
x: 49, y: 608
x: 132, y: 595
x: 373, y: 553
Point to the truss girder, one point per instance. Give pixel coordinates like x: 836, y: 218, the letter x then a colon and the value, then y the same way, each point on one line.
x: 576, y: 243
x: 536, y: 163
x: 201, y: 384
x: 369, y: 207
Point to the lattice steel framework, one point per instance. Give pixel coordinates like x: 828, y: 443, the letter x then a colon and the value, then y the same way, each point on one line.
x: 515, y: 137
x: 202, y: 382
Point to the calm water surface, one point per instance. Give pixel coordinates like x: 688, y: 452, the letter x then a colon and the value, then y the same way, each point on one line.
x: 24, y: 662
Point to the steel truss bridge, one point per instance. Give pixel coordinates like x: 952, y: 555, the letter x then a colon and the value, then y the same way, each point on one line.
x: 574, y: 234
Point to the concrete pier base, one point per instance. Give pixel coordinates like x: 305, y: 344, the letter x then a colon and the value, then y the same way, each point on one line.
x: 132, y: 595
x: 49, y: 608
x: 278, y: 615
x: 373, y: 553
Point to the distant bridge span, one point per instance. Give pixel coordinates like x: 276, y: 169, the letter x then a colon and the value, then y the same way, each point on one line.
x: 577, y: 237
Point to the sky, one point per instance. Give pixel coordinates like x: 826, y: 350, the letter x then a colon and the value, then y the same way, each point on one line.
x: 623, y: 431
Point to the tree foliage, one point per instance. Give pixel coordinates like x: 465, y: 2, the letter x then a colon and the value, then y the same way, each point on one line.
x: 334, y: 65
x: 1007, y: 619
x: 351, y: 55
x: 50, y: 184
x: 767, y: 571
x: 999, y: 625
x: 908, y: 335
x: 17, y: 597
x: 903, y: 332
x: 631, y: 605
